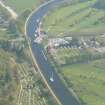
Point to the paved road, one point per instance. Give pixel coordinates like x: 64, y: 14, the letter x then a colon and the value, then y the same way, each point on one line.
x: 59, y: 89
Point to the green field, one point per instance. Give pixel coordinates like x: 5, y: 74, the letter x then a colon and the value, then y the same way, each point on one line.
x: 20, y: 5
x: 88, y: 81
x: 80, y: 17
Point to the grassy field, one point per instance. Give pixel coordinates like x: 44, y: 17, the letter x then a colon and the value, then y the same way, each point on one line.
x: 88, y: 81
x: 80, y: 17
x: 20, y: 5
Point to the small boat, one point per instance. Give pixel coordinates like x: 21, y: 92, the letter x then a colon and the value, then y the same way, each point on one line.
x: 51, y: 78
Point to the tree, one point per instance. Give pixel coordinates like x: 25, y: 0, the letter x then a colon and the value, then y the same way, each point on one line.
x: 12, y: 28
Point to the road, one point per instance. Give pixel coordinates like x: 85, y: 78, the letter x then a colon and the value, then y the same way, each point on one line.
x: 58, y: 88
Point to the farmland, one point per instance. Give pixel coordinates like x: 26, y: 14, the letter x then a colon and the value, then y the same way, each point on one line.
x: 81, y: 73
x: 32, y: 90
x: 22, y: 10
x: 8, y: 79
x: 80, y: 18
x: 78, y: 60
x: 76, y: 48
x: 20, y: 82
x: 87, y: 80
x: 66, y: 56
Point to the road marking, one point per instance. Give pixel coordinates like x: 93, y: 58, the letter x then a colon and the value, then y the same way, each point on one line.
x: 44, y: 55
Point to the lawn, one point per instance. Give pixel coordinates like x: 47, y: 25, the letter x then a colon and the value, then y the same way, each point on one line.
x: 88, y: 81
